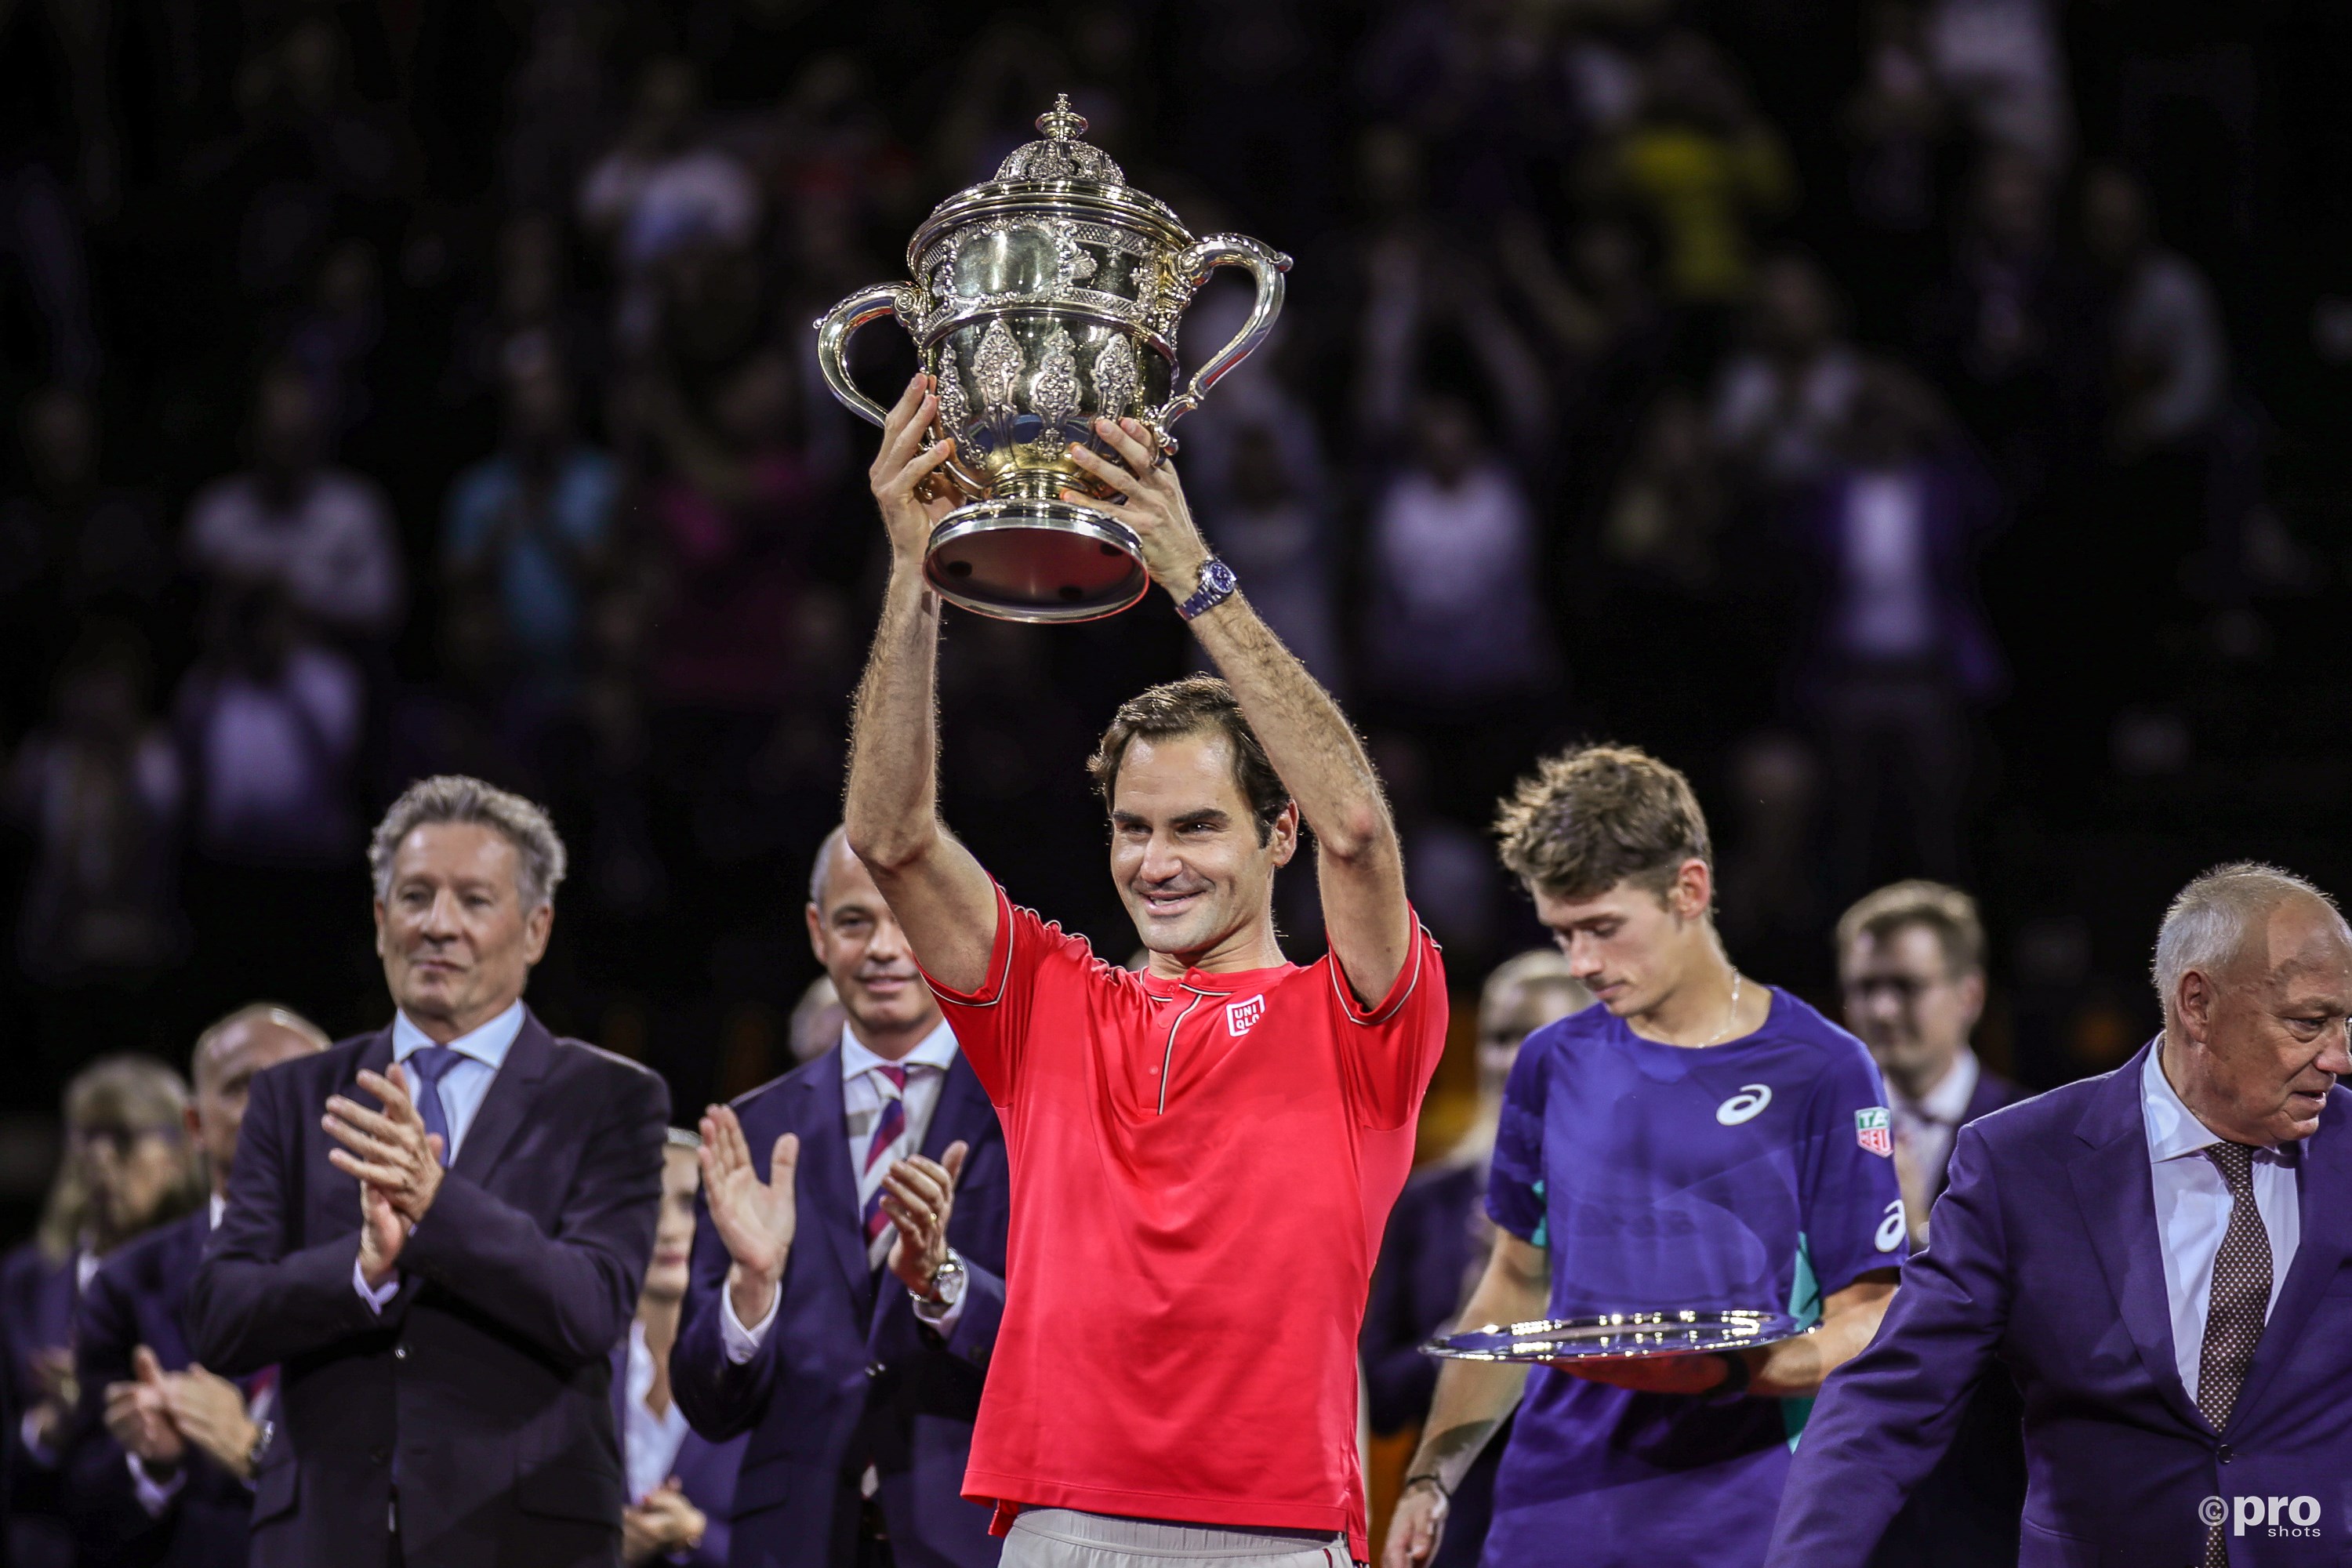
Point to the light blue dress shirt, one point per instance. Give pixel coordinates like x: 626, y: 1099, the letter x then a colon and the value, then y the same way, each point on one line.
x: 467, y: 1083
x: 2192, y: 1211
x: 462, y: 1089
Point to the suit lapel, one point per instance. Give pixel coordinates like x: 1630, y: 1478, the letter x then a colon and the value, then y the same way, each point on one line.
x: 2118, y: 1201
x: 2324, y: 1241
x: 827, y: 1180
x: 508, y: 1102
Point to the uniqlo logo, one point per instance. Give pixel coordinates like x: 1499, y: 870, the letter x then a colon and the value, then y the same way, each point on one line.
x: 1241, y: 1016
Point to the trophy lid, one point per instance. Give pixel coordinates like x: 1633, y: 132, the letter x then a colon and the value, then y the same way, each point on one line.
x: 1059, y: 171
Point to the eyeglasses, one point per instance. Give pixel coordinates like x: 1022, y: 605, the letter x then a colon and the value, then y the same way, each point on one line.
x: 1905, y: 989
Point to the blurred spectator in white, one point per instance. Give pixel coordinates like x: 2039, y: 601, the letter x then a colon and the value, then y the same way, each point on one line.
x: 1780, y: 402
x: 1456, y: 617
x: 1900, y: 649
x: 1705, y: 167
x: 663, y: 187
x: 2168, y: 367
x: 1894, y: 121
x: 321, y: 536
x: 270, y: 721
x: 529, y: 527
x: 2000, y: 63
x: 100, y: 789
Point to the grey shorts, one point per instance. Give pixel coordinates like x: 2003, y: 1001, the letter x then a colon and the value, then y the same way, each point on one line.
x: 1064, y: 1538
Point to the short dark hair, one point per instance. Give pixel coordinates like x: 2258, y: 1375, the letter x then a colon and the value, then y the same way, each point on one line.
x: 1947, y: 913
x: 1597, y: 815
x: 1195, y: 705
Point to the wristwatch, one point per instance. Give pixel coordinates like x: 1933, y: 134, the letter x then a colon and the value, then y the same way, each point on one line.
x: 947, y: 1289
x: 1217, y: 584
x: 262, y: 1434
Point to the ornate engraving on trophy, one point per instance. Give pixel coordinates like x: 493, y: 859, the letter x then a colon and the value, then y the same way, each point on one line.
x: 996, y: 372
x: 953, y: 414
x: 1055, y: 396
x: 1115, y: 381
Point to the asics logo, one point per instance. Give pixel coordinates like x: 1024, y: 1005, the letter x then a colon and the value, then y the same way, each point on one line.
x: 1745, y: 1106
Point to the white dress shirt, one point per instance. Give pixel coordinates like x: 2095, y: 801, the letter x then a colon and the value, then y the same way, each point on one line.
x: 649, y: 1442
x: 462, y: 1089
x: 2192, y: 1212
x: 862, y: 1097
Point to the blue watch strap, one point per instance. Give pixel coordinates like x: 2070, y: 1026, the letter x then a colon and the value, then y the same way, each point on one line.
x: 1217, y: 584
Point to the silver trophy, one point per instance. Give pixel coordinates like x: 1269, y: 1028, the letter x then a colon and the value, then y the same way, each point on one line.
x: 1044, y: 300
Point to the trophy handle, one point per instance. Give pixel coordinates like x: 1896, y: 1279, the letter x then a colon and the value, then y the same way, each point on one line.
x: 1267, y: 266
x: 833, y: 329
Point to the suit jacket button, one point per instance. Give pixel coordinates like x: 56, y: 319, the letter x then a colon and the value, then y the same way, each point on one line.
x: 400, y: 1353
x: 875, y: 1369
x: 2228, y: 1454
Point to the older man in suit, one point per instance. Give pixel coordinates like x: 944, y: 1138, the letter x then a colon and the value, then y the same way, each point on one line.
x: 849, y: 1272
x: 438, y: 1231
x: 2160, y: 1258
x: 161, y: 1469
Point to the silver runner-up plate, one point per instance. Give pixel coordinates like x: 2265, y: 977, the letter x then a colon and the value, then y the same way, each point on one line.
x: 1616, y: 1336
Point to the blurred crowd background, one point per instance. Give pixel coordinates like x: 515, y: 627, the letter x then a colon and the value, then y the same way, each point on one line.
x: 1920, y: 420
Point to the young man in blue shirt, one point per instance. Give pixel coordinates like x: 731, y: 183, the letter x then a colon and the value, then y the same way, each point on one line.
x: 1697, y: 1139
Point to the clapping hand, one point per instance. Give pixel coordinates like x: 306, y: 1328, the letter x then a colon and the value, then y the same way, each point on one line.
x: 917, y: 1194
x: 210, y: 1411
x: 664, y: 1522
x: 138, y: 1417
x: 387, y: 1149
x: 755, y: 1219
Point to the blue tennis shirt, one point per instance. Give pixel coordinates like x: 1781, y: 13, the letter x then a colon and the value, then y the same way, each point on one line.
x: 1755, y: 1174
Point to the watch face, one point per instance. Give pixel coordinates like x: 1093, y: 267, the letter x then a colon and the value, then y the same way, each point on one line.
x: 1218, y: 578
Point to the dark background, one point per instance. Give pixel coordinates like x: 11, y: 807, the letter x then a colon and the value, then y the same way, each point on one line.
x: 1606, y: 313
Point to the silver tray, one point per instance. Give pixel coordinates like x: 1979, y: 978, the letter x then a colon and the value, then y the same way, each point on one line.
x: 1616, y: 1336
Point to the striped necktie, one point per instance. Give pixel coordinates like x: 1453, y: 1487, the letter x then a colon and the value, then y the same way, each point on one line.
x: 889, y: 1131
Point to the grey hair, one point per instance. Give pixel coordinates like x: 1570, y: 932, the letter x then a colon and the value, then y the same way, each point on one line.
x: 2212, y: 917
x: 685, y: 1138
x: 540, y: 859
x: 821, y: 868
x: 275, y: 1013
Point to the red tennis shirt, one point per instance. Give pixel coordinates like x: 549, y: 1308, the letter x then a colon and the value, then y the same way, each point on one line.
x: 1202, y: 1169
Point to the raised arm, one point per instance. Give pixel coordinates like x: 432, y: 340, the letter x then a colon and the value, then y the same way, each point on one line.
x: 1358, y: 864
x: 943, y: 900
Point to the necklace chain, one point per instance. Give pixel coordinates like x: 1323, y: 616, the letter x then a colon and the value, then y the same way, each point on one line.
x: 1732, y: 1013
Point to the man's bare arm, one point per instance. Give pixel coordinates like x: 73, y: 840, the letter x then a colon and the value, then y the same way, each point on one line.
x: 1359, y: 864
x: 1795, y: 1369
x: 942, y: 898
x: 1473, y: 1398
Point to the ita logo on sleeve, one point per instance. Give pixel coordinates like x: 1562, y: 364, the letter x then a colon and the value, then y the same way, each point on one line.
x: 1873, y: 1129
x: 1241, y: 1016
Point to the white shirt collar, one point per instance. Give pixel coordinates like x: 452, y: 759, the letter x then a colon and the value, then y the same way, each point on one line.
x: 1947, y: 1102
x: 487, y: 1045
x: 936, y: 1049
x: 2173, y: 1130
x: 220, y: 1207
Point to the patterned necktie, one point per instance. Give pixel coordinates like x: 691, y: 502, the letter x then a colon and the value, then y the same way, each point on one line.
x: 2235, y: 1311
x: 426, y: 1065
x: 889, y: 1127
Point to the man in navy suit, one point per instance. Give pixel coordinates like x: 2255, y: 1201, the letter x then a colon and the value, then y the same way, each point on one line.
x: 160, y: 1471
x: 2161, y: 1258
x: 438, y: 1233
x: 848, y: 1271
x: 1911, y: 967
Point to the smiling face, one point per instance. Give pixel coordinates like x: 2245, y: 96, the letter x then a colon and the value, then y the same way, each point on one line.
x: 456, y: 944
x: 674, y: 1232
x: 1631, y: 946
x: 1184, y: 849
x: 857, y: 938
x: 2264, y: 1034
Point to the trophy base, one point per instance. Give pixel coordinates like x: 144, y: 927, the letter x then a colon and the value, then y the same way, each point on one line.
x: 1048, y: 562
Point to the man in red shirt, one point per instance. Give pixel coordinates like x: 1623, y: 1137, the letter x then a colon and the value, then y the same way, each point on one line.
x: 1203, y: 1154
